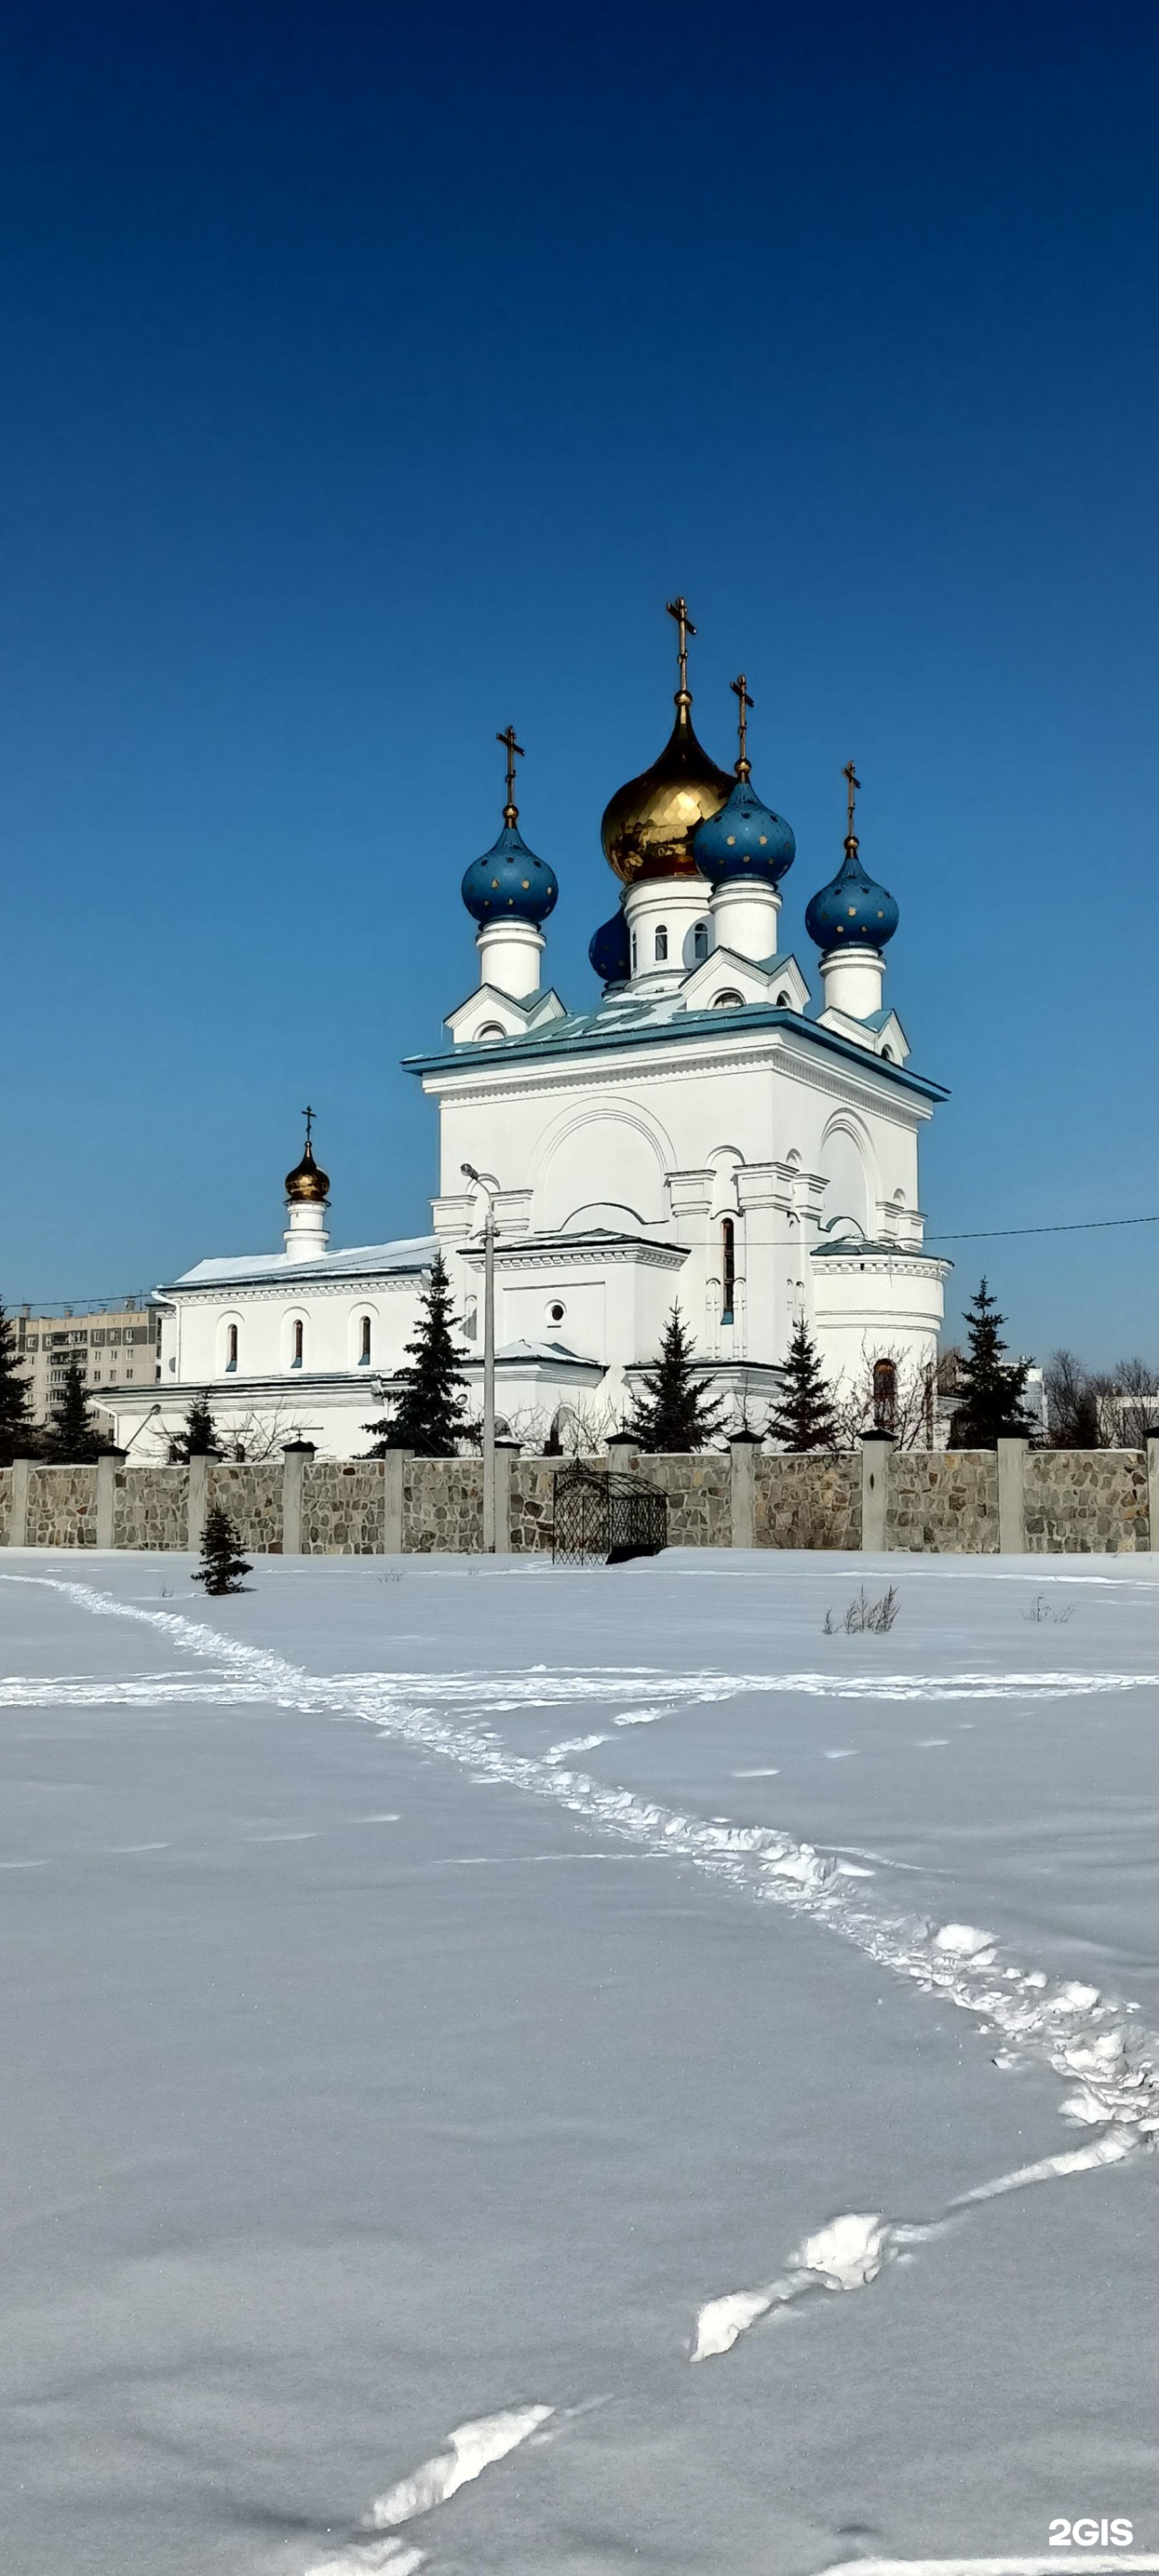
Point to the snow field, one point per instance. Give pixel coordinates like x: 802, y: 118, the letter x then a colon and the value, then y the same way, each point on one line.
x: 684, y: 1717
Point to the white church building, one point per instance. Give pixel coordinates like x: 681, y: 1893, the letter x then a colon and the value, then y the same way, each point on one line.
x: 713, y: 1132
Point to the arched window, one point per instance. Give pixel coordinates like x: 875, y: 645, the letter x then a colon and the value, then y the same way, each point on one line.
x: 783, y: 1002
x: 231, y: 1346
x: 700, y: 943
x: 727, y: 1002
x: 299, y: 1340
x: 884, y: 1395
x: 727, y: 1268
x: 364, y: 1342
x: 887, y: 1055
x: 661, y: 944
x: 633, y: 952
x: 490, y: 1032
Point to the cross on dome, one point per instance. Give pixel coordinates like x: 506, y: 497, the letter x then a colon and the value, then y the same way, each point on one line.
x: 514, y: 752
x: 740, y: 690
x: 678, y: 608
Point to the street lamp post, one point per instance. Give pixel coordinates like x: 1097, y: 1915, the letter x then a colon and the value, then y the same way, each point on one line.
x: 487, y: 1182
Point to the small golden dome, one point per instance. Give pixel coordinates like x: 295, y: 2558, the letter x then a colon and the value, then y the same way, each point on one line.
x: 648, y: 827
x: 307, y: 1184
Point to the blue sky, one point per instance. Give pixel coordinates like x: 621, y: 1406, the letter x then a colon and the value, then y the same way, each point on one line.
x: 372, y: 380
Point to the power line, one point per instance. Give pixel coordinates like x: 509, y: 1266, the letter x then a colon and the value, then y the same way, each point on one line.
x: 1080, y: 1225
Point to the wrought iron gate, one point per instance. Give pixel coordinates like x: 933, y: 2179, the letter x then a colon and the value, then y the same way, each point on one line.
x: 603, y: 1519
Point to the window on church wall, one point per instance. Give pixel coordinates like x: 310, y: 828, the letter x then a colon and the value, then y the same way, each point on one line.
x: 634, y: 956
x: 661, y: 944
x: 727, y: 1002
x: 727, y: 1268
x: 230, y: 1347
x: 700, y: 943
x: 364, y: 1342
x: 884, y: 1395
x: 298, y: 1343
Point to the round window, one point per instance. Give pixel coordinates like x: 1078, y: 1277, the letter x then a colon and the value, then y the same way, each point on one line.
x: 556, y: 1312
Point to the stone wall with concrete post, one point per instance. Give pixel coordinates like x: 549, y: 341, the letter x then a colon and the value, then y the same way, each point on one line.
x: 1047, y: 1501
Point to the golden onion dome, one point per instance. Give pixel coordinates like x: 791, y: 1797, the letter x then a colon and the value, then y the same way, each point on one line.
x: 307, y: 1184
x: 648, y: 828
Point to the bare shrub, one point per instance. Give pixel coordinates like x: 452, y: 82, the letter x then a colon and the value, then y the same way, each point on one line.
x: 1041, y: 1609
x: 865, y: 1617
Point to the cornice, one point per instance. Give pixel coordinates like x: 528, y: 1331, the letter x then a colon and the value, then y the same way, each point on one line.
x: 852, y: 1082
x: 293, y: 1292
x: 676, y: 1036
x: 920, y: 1265
x: 564, y: 1255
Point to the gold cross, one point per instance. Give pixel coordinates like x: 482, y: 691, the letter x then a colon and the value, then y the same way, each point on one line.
x: 740, y: 690
x: 854, y: 783
x: 514, y: 753
x: 309, y: 1115
x: 678, y: 608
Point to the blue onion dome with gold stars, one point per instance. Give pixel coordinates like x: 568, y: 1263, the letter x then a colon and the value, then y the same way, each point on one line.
x: 852, y: 911
x: 610, y: 951
x: 746, y: 840
x: 509, y: 883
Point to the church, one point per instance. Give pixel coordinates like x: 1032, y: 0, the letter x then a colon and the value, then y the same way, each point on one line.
x: 713, y: 1132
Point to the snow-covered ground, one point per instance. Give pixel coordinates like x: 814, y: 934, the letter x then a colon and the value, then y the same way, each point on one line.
x: 550, y: 2072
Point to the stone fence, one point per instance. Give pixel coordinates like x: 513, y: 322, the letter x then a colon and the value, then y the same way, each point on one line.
x: 1019, y: 1500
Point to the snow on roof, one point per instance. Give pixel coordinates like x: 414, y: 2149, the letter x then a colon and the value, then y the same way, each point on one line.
x: 411, y: 1253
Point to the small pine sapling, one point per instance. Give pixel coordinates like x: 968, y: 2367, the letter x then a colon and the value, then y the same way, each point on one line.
x: 222, y: 1567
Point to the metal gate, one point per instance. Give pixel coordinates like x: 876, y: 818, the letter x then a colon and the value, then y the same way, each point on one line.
x: 603, y: 1519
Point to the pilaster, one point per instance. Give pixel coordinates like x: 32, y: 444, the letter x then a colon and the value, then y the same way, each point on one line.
x: 198, y: 1502
x: 503, y: 1458
x: 393, y: 1469
x: 1012, y: 1496
x: 297, y: 1455
x: 1152, y: 1486
x: 106, y: 1494
x: 743, y: 1456
x: 18, y: 1510
x: 876, y: 1447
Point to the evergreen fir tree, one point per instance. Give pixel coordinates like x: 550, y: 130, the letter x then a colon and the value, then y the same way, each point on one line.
x: 199, y: 1438
x: 675, y: 1409
x: 17, y: 1437
x: 73, y: 1438
x: 430, y: 1416
x: 804, y: 1417
x: 222, y: 1567
x: 990, y: 1389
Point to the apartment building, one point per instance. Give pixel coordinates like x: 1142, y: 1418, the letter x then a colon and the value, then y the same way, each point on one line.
x: 115, y: 1343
